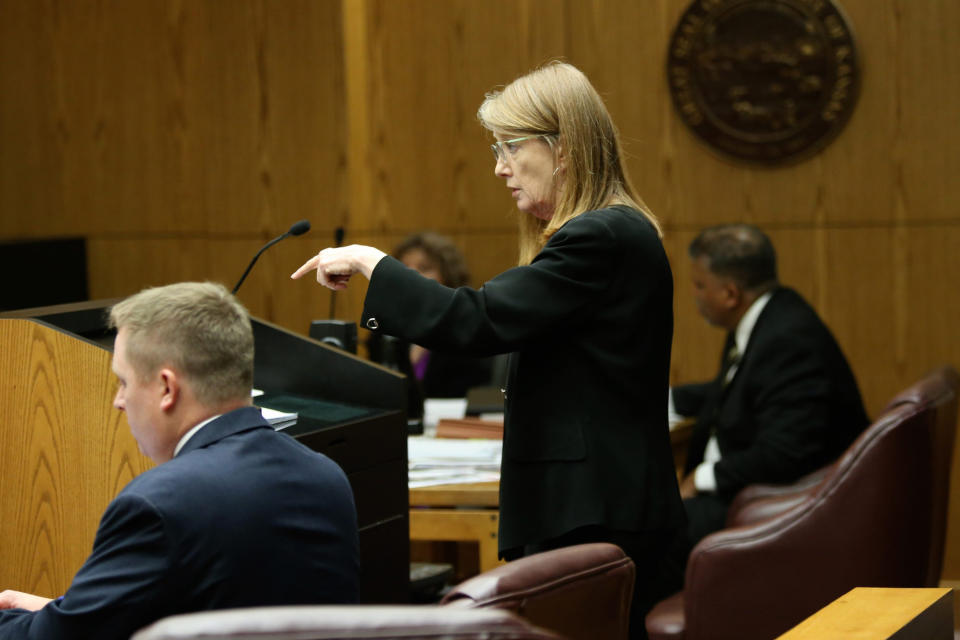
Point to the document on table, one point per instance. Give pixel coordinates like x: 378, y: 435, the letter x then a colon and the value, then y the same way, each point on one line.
x: 277, y: 419
x: 436, y: 409
x: 434, y: 461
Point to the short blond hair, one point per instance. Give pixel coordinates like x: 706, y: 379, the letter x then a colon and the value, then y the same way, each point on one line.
x: 557, y: 101
x: 199, y: 329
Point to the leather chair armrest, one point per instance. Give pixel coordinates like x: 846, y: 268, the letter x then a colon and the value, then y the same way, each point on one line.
x: 526, y: 578
x: 581, y: 592
x: 666, y: 620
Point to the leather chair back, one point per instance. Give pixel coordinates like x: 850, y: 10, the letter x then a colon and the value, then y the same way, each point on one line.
x: 876, y: 518
x: 582, y: 592
x: 343, y: 622
x: 930, y: 391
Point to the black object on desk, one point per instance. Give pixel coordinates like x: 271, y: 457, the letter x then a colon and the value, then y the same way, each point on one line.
x: 336, y: 333
x: 484, y: 400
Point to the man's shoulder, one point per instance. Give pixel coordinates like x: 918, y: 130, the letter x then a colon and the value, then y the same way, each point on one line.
x: 228, y: 472
x: 788, y: 311
x: 162, y: 479
x: 790, y: 325
x: 217, y: 458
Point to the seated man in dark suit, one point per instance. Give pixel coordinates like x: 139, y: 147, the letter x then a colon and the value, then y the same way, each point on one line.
x: 235, y: 515
x: 785, y: 401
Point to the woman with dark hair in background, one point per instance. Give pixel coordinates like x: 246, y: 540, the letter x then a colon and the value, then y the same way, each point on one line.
x: 588, y: 315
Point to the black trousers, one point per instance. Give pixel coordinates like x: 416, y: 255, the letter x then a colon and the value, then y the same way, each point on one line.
x: 706, y: 513
x: 658, y: 574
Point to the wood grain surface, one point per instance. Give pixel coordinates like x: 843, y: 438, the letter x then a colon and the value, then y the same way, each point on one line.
x: 65, y: 453
x: 178, y: 137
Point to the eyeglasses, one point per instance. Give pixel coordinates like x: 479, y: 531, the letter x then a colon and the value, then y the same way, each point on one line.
x: 500, y: 154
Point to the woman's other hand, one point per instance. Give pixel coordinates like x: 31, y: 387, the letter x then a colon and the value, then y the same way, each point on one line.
x: 10, y: 599
x: 334, y: 266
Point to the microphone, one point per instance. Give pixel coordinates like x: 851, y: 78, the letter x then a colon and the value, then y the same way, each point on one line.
x: 296, y: 229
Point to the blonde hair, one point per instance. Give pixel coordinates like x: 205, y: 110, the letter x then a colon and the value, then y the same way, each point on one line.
x: 199, y: 329
x: 557, y: 101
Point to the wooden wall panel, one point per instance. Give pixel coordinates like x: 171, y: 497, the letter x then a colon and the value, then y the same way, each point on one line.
x: 928, y: 71
x: 861, y: 279
x: 427, y: 66
x: 180, y: 136
x: 27, y: 162
x: 117, y: 262
x: 200, y: 123
x: 216, y: 125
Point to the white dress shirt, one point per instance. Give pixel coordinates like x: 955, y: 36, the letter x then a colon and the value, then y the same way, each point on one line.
x: 193, y: 432
x: 704, y: 477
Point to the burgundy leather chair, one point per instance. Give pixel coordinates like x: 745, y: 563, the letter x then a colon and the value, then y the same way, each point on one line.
x: 875, y: 518
x: 581, y: 592
x: 339, y: 622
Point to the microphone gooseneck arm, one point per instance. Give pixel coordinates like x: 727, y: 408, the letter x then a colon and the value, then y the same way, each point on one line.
x: 254, y: 261
x: 297, y: 228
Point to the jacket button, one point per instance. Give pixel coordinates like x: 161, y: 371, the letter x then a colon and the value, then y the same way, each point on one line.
x: 372, y: 324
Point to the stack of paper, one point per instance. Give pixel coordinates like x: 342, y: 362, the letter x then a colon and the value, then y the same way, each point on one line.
x: 277, y: 419
x: 443, y: 461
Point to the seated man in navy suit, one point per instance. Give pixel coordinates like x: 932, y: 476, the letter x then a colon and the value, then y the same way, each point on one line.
x: 234, y: 515
x: 785, y: 402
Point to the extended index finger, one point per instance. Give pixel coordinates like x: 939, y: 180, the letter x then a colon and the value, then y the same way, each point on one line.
x: 306, y: 267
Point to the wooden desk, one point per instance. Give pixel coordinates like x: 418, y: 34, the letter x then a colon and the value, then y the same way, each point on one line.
x: 874, y: 614
x: 460, y: 513
x: 469, y: 512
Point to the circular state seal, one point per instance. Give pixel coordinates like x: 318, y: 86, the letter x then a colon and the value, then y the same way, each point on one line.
x: 766, y: 81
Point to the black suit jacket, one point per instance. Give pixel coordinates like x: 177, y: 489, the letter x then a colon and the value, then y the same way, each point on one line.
x: 792, y: 407
x: 590, y: 322
x: 242, y: 516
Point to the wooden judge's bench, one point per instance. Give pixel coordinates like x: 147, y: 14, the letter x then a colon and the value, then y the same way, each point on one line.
x: 65, y: 452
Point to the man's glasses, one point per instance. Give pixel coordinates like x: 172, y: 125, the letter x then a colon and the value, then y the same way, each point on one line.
x: 506, y: 148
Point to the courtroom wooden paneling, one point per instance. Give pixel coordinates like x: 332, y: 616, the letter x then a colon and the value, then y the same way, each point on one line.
x: 427, y: 66
x: 928, y: 73
x: 64, y: 450
x: 121, y: 266
x: 217, y: 123
x: 147, y: 117
x: 180, y: 136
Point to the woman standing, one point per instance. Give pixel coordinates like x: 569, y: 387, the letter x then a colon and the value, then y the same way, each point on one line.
x: 588, y: 315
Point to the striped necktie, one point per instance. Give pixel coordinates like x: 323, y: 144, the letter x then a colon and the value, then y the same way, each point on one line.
x: 730, y: 360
